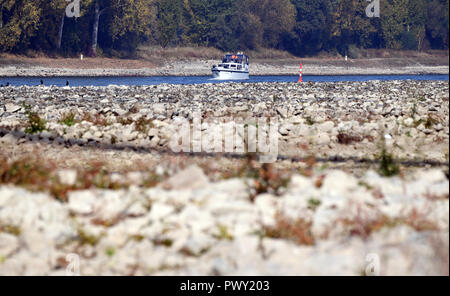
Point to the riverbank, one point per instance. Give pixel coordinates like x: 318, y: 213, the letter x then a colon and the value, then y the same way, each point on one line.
x: 12, y: 66
x: 89, y: 173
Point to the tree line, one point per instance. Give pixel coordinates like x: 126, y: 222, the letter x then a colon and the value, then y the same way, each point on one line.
x: 302, y: 27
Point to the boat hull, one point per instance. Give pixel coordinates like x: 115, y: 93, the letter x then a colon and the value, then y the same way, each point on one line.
x: 230, y: 75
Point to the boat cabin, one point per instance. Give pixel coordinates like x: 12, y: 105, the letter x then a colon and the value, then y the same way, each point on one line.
x: 235, y: 58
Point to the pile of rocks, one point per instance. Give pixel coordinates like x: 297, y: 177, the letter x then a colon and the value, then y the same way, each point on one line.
x: 189, y: 226
x: 344, y: 119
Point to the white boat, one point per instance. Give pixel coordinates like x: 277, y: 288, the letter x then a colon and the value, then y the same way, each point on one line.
x: 233, y: 67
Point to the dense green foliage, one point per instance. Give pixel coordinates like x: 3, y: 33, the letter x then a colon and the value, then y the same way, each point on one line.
x: 303, y: 27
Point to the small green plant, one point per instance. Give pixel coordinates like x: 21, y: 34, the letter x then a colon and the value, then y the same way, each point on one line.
x: 309, y: 120
x: 430, y: 121
x: 166, y: 242
x: 85, y: 238
x: 11, y: 229
x: 68, y: 119
x: 137, y: 237
x: 417, y: 122
x: 110, y: 251
x: 414, y: 110
x: 387, y: 167
x: 365, y: 185
x: 142, y: 125
x: 223, y: 233
x: 113, y: 140
x: 35, y: 123
x: 313, y: 203
x: 125, y: 120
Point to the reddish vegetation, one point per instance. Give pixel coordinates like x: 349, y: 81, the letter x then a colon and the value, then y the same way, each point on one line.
x: 298, y: 231
x: 266, y: 178
x: 347, y: 139
x: 39, y: 175
x: 365, y: 222
x: 96, y: 119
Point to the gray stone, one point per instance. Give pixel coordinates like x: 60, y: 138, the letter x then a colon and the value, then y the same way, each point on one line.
x: 67, y: 176
x: 11, y: 108
x: 190, y: 178
x: 322, y: 139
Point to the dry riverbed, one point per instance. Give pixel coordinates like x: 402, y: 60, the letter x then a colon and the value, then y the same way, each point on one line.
x: 89, y: 171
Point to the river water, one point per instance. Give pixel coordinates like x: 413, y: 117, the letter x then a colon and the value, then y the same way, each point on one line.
x: 104, y: 81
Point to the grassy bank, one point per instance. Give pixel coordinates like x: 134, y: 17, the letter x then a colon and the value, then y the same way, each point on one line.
x: 154, y: 56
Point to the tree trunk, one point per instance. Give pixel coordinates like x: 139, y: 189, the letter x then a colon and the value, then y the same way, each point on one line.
x: 420, y: 39
x: 95, y: 30
x: 60, y: 32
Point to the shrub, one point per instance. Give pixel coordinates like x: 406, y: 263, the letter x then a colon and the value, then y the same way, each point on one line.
x: 25, y: 171
x: 298, y: 231
x: 223, y: 233
x: 35, y: 123
x: 313, y: 203
x: 97, y: 119
x: 413, y: 110
x: 431, y: 120
x: 11, y: 229
x: 142, y: 125
x: 38, y: 175
x: 266, y: 179
x: 309, y: 120
x: 388, y: 166
x: 68, y: 119
x: 86, y: 239
x: 125, y: 120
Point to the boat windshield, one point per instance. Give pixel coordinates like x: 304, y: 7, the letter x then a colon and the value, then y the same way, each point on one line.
x: 231, y: 58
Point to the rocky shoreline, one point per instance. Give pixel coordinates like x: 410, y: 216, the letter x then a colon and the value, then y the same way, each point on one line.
x: 148, y: 211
